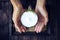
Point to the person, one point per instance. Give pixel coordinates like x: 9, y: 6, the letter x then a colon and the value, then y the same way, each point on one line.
x: 19, y: 6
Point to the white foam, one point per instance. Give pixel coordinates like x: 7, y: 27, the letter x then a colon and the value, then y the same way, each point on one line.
x: 29, y: 19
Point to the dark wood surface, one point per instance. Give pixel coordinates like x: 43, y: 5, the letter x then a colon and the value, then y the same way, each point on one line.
x: 8, y: 33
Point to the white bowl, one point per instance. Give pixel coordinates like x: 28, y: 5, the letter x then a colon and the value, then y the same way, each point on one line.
x: 29, y: 19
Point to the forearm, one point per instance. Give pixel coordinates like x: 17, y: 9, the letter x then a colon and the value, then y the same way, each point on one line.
x: 17, y: 10
x: 16, y: 3
x: 15, y: 16
x: 43, y: 12
x: 40, y: 6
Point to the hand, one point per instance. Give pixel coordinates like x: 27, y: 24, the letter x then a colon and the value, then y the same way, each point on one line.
x: 40, y: 25
x: 42, y: 14
x: 16, y: 20
x: 18, y: 9
x: 19, y: 28
x: 42, y: 21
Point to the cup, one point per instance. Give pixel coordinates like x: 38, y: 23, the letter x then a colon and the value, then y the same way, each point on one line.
x: 29, y: 19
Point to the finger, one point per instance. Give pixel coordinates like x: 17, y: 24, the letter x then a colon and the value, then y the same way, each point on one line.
x: 23, y: 29
x: 41, y: 27
x: 36, y: 28
x: 18, y: 29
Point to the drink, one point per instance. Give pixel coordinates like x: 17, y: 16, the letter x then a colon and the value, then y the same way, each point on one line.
x: 29, y: 20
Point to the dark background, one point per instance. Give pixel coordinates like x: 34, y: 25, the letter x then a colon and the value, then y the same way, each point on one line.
x: 51, y: 33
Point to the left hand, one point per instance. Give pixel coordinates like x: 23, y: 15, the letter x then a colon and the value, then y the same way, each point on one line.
x: 40, y: 24
x: 42, y: 15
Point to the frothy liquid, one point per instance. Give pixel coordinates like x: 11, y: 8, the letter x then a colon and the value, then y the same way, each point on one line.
x: 29, y: 19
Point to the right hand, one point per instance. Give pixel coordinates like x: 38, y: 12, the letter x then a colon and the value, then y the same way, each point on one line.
x: 16, y: 20
x: 19, y: 27
x: 16, y: 16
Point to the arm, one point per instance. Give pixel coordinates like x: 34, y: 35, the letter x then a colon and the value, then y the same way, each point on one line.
x: 43, y: 15
x: 16, y: 3
x: 17, y: 11
x: 40, y: 6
